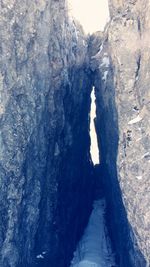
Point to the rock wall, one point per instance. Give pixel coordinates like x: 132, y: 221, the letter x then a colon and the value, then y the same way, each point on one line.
x: 46, y: 175
x: 45, y: 166
x: 121, y: 76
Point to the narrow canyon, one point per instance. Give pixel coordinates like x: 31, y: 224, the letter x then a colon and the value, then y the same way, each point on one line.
x: 59, y: 206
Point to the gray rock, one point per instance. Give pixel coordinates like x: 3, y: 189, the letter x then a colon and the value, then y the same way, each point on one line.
x: 46, y: 174
x: 44, y: 90
x: 123, y: 127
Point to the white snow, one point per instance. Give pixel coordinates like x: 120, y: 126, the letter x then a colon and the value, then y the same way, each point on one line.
x: 105, y: 62
x: 84, y: 43
x: 94, y: 248
x: 98, y: 55
x: 101, y: 48
x: 135, y: 120
x: 105, y: 75
x: 139, y: 177
x: 40, y: 256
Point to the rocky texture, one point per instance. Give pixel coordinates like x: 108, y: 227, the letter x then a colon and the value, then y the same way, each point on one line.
x: 121, y: 76
x: 46, y: 177
x: 44, y: 147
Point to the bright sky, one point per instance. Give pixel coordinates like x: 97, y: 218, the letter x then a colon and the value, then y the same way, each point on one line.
x: 92, y: 14
x: 94, y: 144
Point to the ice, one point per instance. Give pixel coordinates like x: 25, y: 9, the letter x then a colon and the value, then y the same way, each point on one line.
x: 94, y: 249
x: 135, y: 120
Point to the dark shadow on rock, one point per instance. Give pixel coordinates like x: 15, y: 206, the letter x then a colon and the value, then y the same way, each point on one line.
x: 69, y: 179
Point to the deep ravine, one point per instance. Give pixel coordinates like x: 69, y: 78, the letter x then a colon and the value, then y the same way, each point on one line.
x: 48, y: 183
x: 94, y: 248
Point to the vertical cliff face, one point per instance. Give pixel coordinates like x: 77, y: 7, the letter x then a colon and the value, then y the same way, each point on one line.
x: 46, y: 175
x: 44, y: 147
x: 121, y: 69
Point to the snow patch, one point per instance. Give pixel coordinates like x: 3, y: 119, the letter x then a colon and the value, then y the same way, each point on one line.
x: 105, y: 62
x: 139, y: 177
x: 40, y: 256
x: 94, y: 249
x: 84, y: 43
x: 101, y: 48
x: 105, y: 75
x: 135, y: 120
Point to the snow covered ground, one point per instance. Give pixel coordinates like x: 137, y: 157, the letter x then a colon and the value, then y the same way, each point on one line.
x: 94, y: 248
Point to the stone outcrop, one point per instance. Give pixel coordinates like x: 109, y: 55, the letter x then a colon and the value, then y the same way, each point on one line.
x: 121, y: 77
x: 44, y: 147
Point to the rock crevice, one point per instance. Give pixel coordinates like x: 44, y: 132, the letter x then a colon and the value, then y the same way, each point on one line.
x: 47, y: 69
x: 123, y: 128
